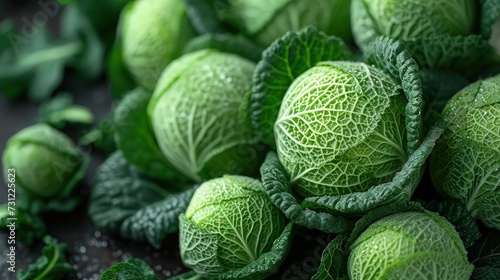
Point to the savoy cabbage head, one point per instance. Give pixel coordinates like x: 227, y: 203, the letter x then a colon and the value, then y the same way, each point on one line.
x: 466, y: 163
x: 347, y: 134
x: 231, y: 230
x: 410, y: 19
x: 151, y: 40
x: 341, y: 129
x: 199, y: 116
x: 401, y: 240
x: 409, y: 245
x: 451, y: 34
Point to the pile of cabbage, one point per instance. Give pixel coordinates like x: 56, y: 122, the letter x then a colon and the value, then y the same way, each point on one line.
x: 249, y: 121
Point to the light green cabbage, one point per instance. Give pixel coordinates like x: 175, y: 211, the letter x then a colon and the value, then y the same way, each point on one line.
x: 410, y: 246
x: 229, y: 223
x: 466, y: 162
x: 199, y: 115
x: 44, y: 160
x: 268, y: 20
x: 410, y: 19
x: 341, y: 129
x: 153, y: 33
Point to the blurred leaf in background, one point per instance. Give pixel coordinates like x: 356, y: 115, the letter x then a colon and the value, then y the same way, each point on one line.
x: 60, y: 110
x: 33, y: 61
x: 103, y: 16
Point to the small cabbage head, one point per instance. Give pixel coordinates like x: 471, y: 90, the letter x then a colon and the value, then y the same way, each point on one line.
x: 153, y: 33
x: 410, y: 246
x: 341, y: 129
x: 268, y: 20
x: 200, y: 118
x: 228, y: 224
x: 44, y: 160
x: 408, y: 19
x: 465, y: 164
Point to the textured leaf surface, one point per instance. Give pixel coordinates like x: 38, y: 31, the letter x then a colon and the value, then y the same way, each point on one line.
x: 125, y: 201
x: 281, y: 63
x: 341, y: 129
x: 242, y: 235
x: 466, y: 163
x: 195, y: 114
x: 459, y: 217
x: 407, y: 19
x: 449, y: 52
x: 434, y: 39
x: 392, y: 56
x: 135, y: 138
x: 198, y: 248
x: 268, y: 262
x: 401, y: 187
x: 277, y: 187
x: 411, y: 242
x: 490, y: 13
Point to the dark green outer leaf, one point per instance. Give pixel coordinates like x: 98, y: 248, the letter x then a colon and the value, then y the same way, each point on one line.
x: 485, y: 256
x: 52, y: 265
x: 485, y: 273
x: 206, y: 16
x: 135, y: 138
x: 459, y: 217
x: 282, y: 62
x: 153, y: 222
x: 277, y: 187
x: 125, y: 201
x: 449, y: 52
x: 490, y: 13
x: 391, y: 56
x: 226, y: 43
x: 400, y: 188
x: 486, y: 251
